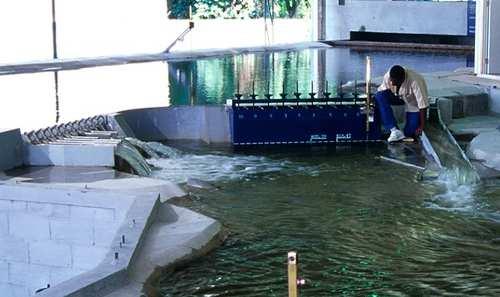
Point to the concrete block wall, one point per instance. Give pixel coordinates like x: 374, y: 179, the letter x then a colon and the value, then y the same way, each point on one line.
x: 70, y: 155
x: 414, y: 17
x: 494, y: 103
x: 46, y: 240
x: 11, y: 149
x: 204, y: 123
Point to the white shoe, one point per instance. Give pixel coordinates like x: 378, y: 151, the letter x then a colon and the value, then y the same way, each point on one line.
x: 396, y: 135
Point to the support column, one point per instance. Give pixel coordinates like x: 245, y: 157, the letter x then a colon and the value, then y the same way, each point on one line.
x: 481, y: 37
x: 487, y: 43
x: 321, y: 21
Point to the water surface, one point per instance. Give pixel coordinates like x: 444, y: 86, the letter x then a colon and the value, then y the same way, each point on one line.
x: 362, y: 227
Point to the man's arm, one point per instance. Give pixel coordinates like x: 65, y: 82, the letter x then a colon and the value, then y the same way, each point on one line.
x: 423, y: 116
x: 420, y: 91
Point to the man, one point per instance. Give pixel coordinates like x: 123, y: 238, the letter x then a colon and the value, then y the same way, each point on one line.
x: 403, y: 87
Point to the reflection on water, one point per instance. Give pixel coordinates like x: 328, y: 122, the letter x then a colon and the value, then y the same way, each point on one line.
x: 362, y: 228
x: 213, y: 81
x: 28, y: 100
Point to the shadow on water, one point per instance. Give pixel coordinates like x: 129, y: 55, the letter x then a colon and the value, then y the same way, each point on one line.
x: 362, y: 227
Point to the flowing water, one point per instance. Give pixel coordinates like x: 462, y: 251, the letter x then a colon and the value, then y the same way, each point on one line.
x: 361, y: 227
x: 127, y: 151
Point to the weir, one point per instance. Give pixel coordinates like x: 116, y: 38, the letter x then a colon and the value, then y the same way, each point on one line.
x: 302, y: 121
x: 321, y: 118
x: 92, y: 136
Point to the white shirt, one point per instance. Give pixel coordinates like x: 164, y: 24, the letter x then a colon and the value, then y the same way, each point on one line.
x: 413, y: 91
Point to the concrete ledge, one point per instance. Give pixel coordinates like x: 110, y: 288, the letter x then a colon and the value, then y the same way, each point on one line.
x: 85, y: 62
x: 112, y: 273
x: 445, y: 106
x: 402, y: 46
x: 49, y: 226
x: 70, y: 155
x: 127, y: 185
x: 169, y: 244
x: 11, y: 148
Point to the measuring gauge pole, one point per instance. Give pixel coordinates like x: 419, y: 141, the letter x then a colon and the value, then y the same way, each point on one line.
x: 292, y: 274
x: 368, y: 93
x: 293, y: 280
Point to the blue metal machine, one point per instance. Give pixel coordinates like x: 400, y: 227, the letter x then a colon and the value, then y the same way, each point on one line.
x: 326, y: 120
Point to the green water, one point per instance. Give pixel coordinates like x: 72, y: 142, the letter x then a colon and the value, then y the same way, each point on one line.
x: 361, y: 227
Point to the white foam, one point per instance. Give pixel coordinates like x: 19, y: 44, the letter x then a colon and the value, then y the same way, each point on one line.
x: 457, y: 192
x: 214, y: 167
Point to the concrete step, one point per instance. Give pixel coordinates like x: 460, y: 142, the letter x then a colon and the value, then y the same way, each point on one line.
x: 470, y: 105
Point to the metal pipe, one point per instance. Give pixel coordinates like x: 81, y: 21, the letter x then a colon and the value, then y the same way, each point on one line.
x: 368, y: 92
x: 54, y: 55
x: 399, y: 162
x: 181, y: 37
x: 54, y: 31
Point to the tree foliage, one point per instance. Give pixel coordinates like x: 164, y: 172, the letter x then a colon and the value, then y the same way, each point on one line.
x: 238, y: 9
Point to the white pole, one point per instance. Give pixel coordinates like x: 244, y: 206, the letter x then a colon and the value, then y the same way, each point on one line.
x: 368, y: 91
x: 481, y: 40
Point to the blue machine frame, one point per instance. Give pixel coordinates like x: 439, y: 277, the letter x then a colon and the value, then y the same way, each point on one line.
x: 301, y: 121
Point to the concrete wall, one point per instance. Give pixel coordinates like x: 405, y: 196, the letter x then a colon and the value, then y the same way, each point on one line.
x: 494, y: 103
x: 487, y: 59
x: 47, y: 238
x: 239, y: 33
x: 416, y: 17
x: 11, y: 149
x: 111, y: 27
x: 70, y: 155
x: 204, y: 123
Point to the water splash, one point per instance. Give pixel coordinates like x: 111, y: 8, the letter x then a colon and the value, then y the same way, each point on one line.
x: 143, y: 148
x: 458, y: 178
x: 180, y: 167
x: 457, y: 191
x: 163, y: 150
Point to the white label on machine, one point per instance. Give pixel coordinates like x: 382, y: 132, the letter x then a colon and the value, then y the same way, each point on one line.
x: 343, y: 136
x: 318, y: 137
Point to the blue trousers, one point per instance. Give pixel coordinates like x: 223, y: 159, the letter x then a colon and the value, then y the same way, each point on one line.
x: 384, y: 100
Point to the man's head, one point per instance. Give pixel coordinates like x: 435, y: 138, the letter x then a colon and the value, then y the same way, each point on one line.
x: 397, y: 75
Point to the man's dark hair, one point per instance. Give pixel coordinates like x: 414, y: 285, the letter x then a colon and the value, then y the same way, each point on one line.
x: 397, y: 75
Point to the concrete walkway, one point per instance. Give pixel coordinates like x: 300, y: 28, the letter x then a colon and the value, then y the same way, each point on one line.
x: 78, y: 63
x: 466, y: 105
x: 92, y: 231
x: 484, y: 141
